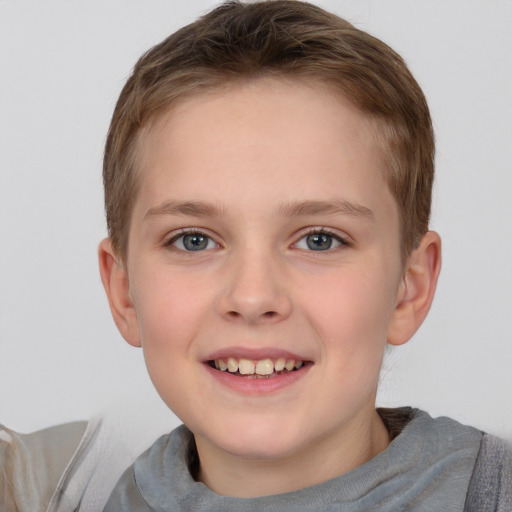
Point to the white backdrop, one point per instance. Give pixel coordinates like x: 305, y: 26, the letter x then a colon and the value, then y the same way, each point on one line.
x: 62, y: 65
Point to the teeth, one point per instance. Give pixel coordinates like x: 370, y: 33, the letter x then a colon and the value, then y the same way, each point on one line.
x: 246, y: 367
x: 232, y: 365
x: 290, y: 365
x: 279, y: 365
x: 264, y: 367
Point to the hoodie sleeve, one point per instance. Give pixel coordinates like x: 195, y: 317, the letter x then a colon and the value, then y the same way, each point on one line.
x: 490, y: 488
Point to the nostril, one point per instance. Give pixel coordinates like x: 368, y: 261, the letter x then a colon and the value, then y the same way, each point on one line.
x: 267, y: 314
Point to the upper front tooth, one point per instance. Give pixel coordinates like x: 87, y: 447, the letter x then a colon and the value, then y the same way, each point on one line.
x: 246, y: 367
x: 222, y: 365
x: 265, y: 367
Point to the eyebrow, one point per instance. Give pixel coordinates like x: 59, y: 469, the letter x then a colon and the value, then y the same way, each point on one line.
x: 325, y: 208
x: 293, y: 209
x: 188, y: 208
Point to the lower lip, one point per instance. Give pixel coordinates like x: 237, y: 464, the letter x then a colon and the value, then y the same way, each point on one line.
x: 255, y: 386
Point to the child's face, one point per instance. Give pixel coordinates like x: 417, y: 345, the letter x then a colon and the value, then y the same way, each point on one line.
x: 264, y: 229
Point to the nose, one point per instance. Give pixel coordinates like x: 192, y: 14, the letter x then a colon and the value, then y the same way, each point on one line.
x: 255, y: 292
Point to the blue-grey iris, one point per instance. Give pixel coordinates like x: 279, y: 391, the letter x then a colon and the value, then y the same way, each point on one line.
x: 195, y: 242
x: 319, y: 241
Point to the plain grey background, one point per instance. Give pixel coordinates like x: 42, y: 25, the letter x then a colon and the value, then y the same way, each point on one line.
x: 62, y: 66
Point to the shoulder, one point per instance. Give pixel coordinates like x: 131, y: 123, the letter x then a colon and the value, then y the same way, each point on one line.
x: 126, y: 495
x: 490, y: 488
x: 159, y: 478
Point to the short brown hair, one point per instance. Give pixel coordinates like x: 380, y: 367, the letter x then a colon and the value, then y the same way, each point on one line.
x: 280, y: 38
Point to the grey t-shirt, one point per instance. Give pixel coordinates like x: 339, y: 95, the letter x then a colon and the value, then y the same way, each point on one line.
x: 427, y: 467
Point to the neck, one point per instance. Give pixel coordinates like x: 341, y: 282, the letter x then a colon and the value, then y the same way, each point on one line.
x: 332, y: 456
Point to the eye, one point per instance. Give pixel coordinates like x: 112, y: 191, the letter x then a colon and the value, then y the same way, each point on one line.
x: 192, y: 241
x: 320, y: 240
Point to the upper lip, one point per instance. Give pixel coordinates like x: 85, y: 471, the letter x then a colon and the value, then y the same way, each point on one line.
x: 255, y: 354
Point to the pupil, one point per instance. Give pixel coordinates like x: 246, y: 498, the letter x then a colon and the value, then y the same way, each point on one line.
x: 195, y: 242
x: 319, y: 241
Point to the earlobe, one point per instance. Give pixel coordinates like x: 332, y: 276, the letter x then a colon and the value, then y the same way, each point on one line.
x: 416, y: 291
x: 114, y: 277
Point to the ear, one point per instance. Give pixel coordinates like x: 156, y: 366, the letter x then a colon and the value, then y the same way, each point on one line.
x: 416, y: 290
x: 114, y: 277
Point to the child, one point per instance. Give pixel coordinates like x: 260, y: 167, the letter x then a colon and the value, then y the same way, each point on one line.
x: 268, y: 176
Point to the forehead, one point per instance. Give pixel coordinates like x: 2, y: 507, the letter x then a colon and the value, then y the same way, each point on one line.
x: 296, y: 139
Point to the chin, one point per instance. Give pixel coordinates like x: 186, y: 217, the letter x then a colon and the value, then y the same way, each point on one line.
x: 259, y: 440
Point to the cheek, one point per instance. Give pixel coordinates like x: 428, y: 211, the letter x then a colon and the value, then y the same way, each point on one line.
x: 351, y: 313
x: 351, y: 323
x: 169, y: 310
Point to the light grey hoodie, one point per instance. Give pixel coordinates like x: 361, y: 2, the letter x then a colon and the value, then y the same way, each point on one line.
x: 433, y: 465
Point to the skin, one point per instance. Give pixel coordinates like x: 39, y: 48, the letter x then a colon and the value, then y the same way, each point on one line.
x: 252, y: 154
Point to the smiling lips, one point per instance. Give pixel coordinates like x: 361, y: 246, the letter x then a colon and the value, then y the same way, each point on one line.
x: 259, y: 369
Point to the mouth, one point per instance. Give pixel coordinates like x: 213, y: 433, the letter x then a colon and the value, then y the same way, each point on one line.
x: 257, y: 369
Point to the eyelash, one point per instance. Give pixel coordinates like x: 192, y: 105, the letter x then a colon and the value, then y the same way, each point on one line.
x: 343, y: 242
